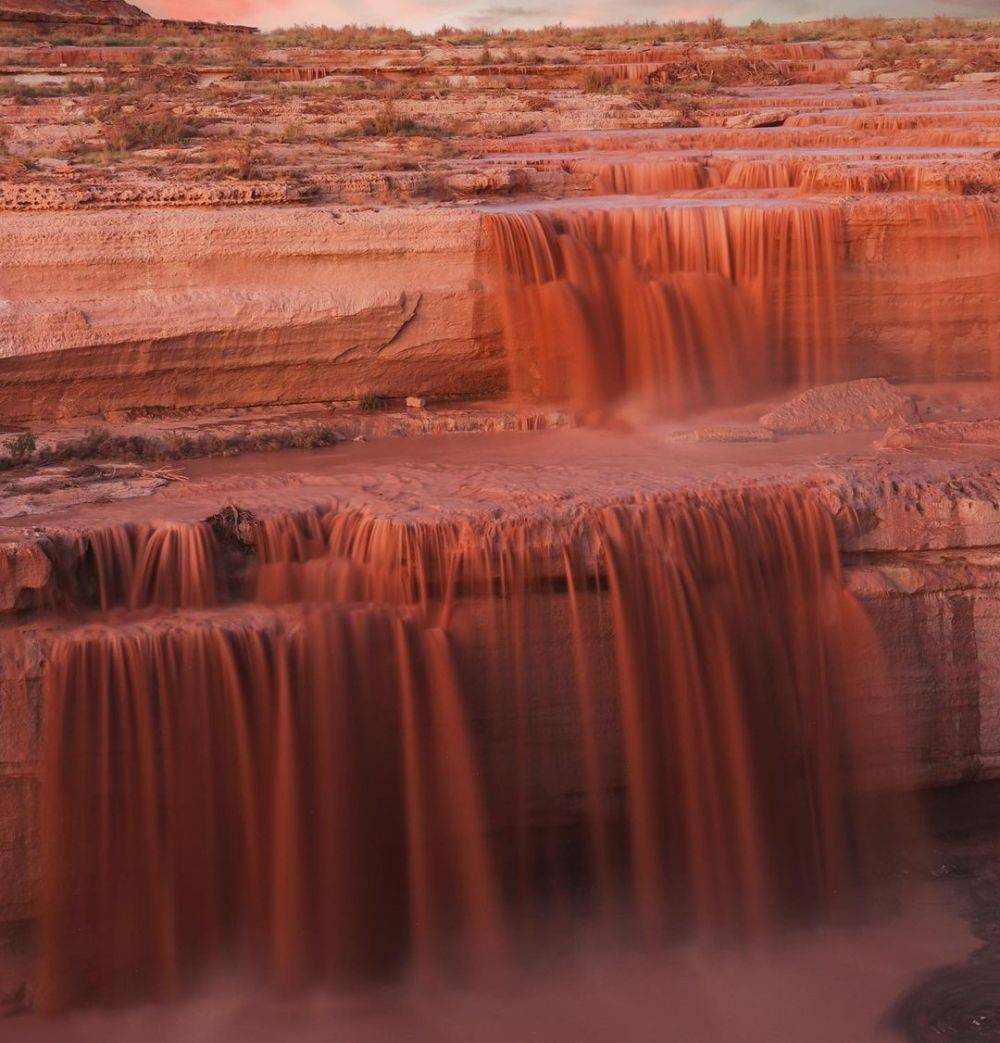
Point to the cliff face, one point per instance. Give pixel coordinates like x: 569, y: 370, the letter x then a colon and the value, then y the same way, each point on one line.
x: 76, y: 8
x: 242, y: 306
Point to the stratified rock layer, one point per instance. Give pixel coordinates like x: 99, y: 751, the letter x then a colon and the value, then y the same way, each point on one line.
x: 243, y: 306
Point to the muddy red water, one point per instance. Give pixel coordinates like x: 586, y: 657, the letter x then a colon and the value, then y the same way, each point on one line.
x: 305, y: 798
x: 679, y: 308
x: 295, y: 798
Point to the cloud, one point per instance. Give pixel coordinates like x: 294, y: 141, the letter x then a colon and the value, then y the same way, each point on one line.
x: 507, y: 14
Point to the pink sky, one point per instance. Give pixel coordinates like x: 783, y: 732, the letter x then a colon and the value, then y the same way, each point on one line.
x: 429, y: 14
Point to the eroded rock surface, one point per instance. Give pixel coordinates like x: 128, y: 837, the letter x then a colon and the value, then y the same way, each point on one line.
x: 855, y: 405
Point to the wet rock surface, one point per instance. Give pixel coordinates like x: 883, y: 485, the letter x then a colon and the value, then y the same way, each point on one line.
x: 961, y: 1002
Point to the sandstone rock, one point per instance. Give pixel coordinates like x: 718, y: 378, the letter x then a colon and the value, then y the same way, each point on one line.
x: 899, y: 76
x: 390, y: 292
x: 855, y: 405
x: 992, y: 76
x: 763, y: 118
x: 724, y: 433
x: 414, y: 402
x: 23, y: 567
x: 77, y: 8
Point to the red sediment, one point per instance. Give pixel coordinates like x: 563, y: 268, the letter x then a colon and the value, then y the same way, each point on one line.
x: 883, y: 121
x: 703, y: 139
x: 731, y: 631
x: 667, y: 176
x: 880, y: 176
x: 674, y: 307
x: 749, y: 173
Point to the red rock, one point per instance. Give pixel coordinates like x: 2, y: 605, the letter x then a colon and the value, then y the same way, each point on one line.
x: 855, y: 405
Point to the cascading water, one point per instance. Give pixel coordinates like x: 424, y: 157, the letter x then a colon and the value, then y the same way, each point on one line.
x: 674, y: 307
x: 730, y: 627
x: 316, y: 791
x: 161, y: 564
x: 294, y: 797
x: 653, y: 177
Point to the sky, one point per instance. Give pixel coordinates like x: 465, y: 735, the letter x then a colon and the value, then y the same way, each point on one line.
x: 424, y: 15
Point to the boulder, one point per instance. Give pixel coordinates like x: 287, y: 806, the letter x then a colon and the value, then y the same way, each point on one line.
x: 763, y: 118
x: 855, y: 405
x: 23, y: 568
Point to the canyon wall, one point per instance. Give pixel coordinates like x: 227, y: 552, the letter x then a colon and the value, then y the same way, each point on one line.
x: 155, y: 308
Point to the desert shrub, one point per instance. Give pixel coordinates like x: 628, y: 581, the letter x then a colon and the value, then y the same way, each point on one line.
x: 511, y: 128
x: 389, y: 123
x: 649, y: 96
x: 20, y: 93
x: 714, y: 29
x: 293, y: 133
x: 22, y: 447
x: 346, y: 37
x: 643, y: 34
x: 128, y: 131
x: 242, y: 50
x: 539, y: 103
x: 687, y: 109
x: 596, y: 81
x: 238, y: 158
x: 370, y: 402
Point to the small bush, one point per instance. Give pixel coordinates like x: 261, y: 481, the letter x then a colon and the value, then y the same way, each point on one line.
x: 239, y: 159
x: 128, y: 131
x: 370, y: 402
x: 714, y: 29
x: 388, y: 123
x: 293, y: 133
x: 687, y: 112
x: 596, y: 81
x: 243, y: 50
x: 22, y: 448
